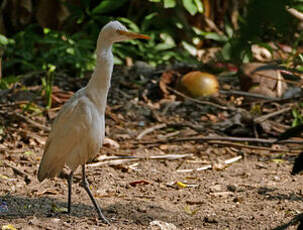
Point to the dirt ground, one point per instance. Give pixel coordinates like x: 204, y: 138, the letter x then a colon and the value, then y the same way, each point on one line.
x: 255, y: 192
x: 251, y: 194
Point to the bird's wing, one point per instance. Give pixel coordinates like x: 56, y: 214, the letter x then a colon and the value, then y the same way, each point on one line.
x: 72, y: 139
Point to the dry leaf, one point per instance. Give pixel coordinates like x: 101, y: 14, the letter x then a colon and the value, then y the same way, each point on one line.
x: 134, y: 183
x: 8, y: 227
x: 264, y: 79
x: 189, y: 211
x: 180, y: 184
x: 110, y: 143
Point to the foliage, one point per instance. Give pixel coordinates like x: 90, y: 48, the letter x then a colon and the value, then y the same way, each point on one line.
x: 3, y: 41
x: 168, y: 22
x: 31, y: 51
x: 173, y: 38
x: 297, y: 115
x: 153, y: 20
x: 264, y: 21
x: 47, y: 84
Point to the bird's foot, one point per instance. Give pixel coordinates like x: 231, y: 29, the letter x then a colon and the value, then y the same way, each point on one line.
x: 103, y: 218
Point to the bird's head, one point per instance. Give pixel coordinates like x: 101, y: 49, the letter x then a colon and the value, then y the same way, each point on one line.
x: 114, y: 31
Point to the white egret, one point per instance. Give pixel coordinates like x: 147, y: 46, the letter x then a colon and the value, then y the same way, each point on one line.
x: 78, y: 131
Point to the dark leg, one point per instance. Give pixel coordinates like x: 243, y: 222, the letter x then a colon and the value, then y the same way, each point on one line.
x: 69, y: 198
x: 86, y: 187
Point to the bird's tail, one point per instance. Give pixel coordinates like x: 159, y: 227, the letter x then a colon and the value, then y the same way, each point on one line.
x: 50, y: 165
x: 41, y: 175
x: 49, y: 170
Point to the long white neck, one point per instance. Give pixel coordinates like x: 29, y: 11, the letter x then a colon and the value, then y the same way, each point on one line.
x: 99, y: 84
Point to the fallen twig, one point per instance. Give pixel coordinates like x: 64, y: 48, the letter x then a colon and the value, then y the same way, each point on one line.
x: 170, y: 156
x: 195, y: 170
x: 246, y: 94
x: 232, y: 160
x: 168, y: 135
x: 149, y: 130
x: 16, y: 170
x: 217, y: 138
x: 267, y: 116
x: 33, y: 123
x: 117, y: 160
x: 36, y: 137
x: 197, y: 127
x: 112, y: 162
x: 226, y: 162
x: 199, y: 101
x: 253, y: 147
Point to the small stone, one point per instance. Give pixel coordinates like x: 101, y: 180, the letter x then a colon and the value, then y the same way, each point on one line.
x: 210, y: 219
x: 276, y: 178
x: 231, y: 188
x: 161, y: 225
x: 216, y: 188
x: 238, y: 199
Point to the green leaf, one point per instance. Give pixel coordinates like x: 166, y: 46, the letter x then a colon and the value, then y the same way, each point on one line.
x: 245, y: 56
x: 70, y: 51
x: 298, y: 6
x: 190, y: 48
x: 168, y: 42
x: 226, y: 51
x: 130, y: 24
x: 46, y: 30
x: 169, y: 3
x: 148, y: 20
x: 3, y: 40
x: 163, y: 46
x: 229, y: 30
x: 107, y: 6
x: 199, y: 5
x: 190, y: 6
x: 216, y: 37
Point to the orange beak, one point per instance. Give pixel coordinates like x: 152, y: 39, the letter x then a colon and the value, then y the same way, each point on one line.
x: 132, y: 35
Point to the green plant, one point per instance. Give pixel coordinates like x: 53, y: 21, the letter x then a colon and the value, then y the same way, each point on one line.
x: 7, y: 82
x: 152, y: 19
x: 161, y: 48
x: 3, y: 43
x: 34, y: 49
x: 72, y: 49
x: 47, y: 84
x: 297, y: 114
x: 263, y: 21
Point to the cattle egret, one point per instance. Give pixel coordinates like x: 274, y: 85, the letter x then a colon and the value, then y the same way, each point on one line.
x: 78, y: 131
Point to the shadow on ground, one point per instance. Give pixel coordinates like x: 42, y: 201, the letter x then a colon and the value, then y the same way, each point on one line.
x: 295, y: 220
x: 129, y: 212
x: 271, y: 194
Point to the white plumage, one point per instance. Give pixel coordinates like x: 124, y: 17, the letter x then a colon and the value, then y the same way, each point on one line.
x: 78, y: 131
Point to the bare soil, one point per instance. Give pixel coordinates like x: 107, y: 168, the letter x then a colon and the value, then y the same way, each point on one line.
x: 256, y: 192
